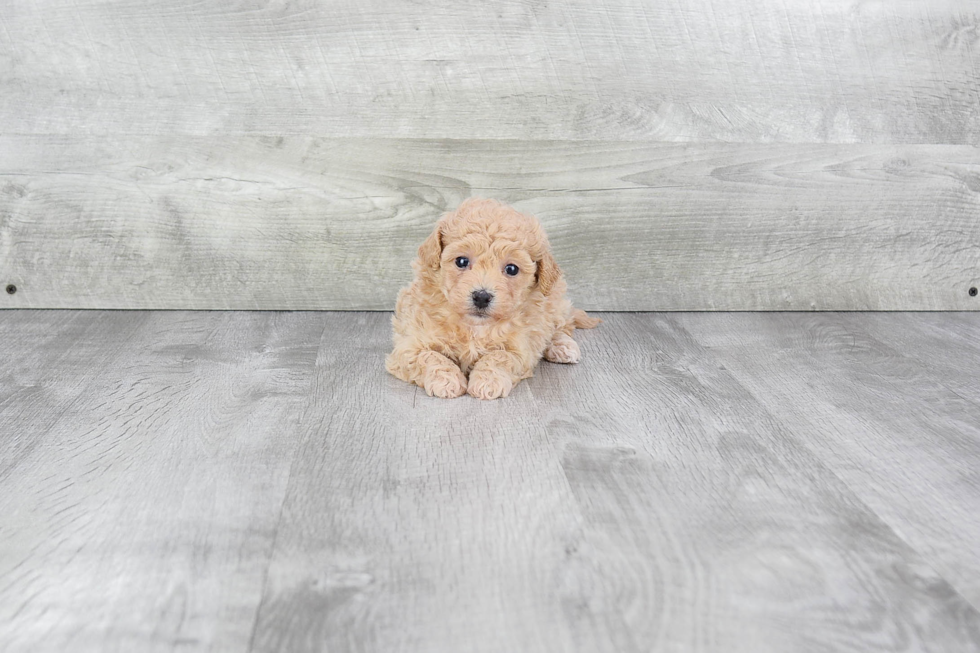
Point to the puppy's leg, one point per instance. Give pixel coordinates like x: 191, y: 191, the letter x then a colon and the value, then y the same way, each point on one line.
x: 430, y: 370
x: 440, y: 376
x: 563, y: 349
x: 496, y: 374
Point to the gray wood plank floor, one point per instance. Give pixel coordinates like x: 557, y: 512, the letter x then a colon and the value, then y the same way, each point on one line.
x: 700, y: 482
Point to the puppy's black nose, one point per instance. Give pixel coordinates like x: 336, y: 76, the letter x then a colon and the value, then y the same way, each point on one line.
x: 481, y: 298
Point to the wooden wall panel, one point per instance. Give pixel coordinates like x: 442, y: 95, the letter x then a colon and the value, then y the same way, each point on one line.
x: 710, y: 154
x: 258, y: 222
x: 674, y: 70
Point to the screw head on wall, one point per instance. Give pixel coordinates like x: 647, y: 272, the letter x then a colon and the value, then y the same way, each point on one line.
x: 973, y: 291
x: 11, y: 289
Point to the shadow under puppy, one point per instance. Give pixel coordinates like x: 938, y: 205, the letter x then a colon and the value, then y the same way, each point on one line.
x: 487, y: 302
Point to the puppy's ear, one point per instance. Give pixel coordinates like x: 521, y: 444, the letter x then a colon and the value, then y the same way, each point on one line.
x: 548, y: 273
x: 430, y: 252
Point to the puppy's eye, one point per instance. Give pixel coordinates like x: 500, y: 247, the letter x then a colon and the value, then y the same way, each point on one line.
x: 511, y: 269
x: 462, y: 262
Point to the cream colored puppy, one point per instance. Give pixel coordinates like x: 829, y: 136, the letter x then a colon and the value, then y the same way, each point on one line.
x: 487, y: 302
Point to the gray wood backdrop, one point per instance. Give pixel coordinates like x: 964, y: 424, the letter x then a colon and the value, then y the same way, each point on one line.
x: 684, y: 155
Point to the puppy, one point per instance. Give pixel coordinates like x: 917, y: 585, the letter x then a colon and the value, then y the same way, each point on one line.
x: 487, y: 302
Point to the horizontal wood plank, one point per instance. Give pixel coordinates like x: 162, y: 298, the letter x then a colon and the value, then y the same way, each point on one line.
x: 256, y: 222
x: 677, y: 70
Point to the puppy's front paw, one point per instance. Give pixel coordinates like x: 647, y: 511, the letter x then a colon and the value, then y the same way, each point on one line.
x: 488, y: 383
x: 563, y: 350
x: 444, y: 382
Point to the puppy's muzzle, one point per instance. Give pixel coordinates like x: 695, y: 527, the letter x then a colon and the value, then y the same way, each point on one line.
x: 481, y: 299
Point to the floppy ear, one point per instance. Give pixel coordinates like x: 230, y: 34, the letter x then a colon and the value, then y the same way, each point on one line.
x: 430, y: 252
x: 548, y: 273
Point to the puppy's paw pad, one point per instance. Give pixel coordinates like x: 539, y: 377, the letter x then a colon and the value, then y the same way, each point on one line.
x: 489, y: 384
x: 445, y: 383
x: 563, y: 351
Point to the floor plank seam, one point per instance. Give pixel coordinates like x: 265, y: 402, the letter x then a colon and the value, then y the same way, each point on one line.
x: 268, y: 564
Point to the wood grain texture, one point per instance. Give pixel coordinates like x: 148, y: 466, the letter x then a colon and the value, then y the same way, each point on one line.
x: 413, y: 523
x: 33, y: 397
x: 256, y: 482
x: 898, y: 422
x: 678, y: 70
x: 142, y: 515
x: 944, y: 344
x: 709, y: 525
x: 256, y: 222
x: 289, y: 154
x: 640, y: 501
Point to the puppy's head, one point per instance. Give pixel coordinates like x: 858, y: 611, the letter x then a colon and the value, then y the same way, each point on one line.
x: 488, y: 260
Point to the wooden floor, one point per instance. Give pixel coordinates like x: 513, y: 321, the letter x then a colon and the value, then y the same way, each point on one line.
x: 700, y: 482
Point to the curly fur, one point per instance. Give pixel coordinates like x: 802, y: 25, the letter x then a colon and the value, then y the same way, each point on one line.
x: 445, y: 344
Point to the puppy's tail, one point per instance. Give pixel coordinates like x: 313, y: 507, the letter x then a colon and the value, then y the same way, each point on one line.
x: 581, y: 320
